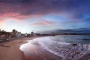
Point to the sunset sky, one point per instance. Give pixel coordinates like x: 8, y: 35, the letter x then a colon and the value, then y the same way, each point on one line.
x: 41, y: 15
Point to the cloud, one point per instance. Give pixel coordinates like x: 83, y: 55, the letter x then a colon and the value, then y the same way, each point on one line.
x: 87, y: 20
x: 43, y: 23
x: 2, y: 21
x: 70, y: 22
x: 1, y: 26
x: 21, y: 9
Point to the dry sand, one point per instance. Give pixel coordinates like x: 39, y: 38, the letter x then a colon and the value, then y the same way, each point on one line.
x: 10, y: 50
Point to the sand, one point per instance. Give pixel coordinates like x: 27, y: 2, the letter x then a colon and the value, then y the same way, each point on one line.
x: 10, y: 50
x: 36, y: 52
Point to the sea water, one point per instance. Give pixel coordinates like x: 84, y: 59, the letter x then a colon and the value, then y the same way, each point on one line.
x: 62, y: 45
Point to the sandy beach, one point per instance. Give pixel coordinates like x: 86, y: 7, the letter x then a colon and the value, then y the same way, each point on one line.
x: 10, y: 50
x: 34, y: 51
x: 38, y: 53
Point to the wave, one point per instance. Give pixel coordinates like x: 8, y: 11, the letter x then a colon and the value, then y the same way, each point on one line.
x: 62, y: 49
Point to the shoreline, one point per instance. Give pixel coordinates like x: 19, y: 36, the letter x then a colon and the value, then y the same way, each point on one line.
x: 36, y: 52
x: 10, y: 50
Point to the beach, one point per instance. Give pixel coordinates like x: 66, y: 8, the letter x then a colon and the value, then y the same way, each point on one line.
x: 47, y: 48
x: 36, y: 52
x: 31, y: 51
x: 10, y: 50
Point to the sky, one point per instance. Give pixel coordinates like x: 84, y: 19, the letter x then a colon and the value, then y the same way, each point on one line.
x: 41, y: 15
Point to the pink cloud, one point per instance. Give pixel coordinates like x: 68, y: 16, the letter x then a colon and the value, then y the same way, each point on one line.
x: 43, y: 23
x: 2, y: 21
x: 12, y: 15
x: 17, y: 17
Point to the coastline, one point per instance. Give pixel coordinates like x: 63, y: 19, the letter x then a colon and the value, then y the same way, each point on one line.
x: 10, y: 50
x: 36, y: 52
x: 42, y: 55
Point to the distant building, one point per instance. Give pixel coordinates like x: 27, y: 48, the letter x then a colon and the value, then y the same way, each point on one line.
x: 16, y: 33
x: 26, y: 34
x: 0, y: 29
x: 33, y: 34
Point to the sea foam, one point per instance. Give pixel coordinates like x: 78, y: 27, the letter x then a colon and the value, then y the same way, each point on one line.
x: 62, y: 49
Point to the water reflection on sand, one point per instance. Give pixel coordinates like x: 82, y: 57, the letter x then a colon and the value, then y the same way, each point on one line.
x: 56, y: 48
x: 36, y: 52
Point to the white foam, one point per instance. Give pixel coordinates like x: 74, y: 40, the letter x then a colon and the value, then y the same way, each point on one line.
x: 49, y: 45
x: 62, y: 49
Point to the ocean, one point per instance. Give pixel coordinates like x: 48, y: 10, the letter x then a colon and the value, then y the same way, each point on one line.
x: 69, y: 47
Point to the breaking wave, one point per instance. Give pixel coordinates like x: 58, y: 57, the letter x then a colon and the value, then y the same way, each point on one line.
x: 61, y: 48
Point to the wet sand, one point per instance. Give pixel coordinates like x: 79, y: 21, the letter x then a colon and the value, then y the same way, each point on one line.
x: 10, y: 50
x: 36, y: 52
